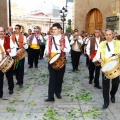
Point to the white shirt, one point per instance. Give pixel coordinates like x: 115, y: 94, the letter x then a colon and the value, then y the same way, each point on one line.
x: 87, y: 40
x: 107, y: 53
x: 76, y: 45
x: 57, y: 38
x: 12, y: 46
x: 24, y: 41
x: 96, y: 45
x: 34, y: 41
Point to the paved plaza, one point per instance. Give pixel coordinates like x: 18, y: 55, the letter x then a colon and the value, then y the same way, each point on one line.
x: 80, y: 100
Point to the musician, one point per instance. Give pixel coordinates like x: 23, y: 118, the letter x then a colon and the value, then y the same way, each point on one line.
x: 29, y: 34
x: 76, y: 49
x: 6, y: 48
x: 42, y: 45
x: 87, y: 37
x: 34, y: 51
x: 56, y: 76
x: 91, y: 50
x: 9, y: 31
x: 107, y: 49
x: 20, y: 42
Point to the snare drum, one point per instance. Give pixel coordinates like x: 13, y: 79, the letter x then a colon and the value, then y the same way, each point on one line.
x: 6, y: 64
x: 57, y: 61
x: 111, y: 69
x: 21, y: 53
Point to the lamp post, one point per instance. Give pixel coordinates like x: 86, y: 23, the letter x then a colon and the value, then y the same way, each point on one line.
x: 63, y: 14
x: 9, y: 13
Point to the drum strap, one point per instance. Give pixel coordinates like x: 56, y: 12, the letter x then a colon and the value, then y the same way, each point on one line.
x: 16, y: 42
x: 55, y: 43
x: 108, y: 47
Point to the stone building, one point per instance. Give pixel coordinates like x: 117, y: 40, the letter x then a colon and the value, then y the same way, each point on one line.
x: 3, y: 13
x: 91, y: 14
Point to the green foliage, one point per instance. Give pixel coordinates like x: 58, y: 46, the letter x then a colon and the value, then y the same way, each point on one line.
x: 68, y: 29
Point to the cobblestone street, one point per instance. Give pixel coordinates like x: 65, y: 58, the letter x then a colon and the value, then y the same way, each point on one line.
x: 80, y: 100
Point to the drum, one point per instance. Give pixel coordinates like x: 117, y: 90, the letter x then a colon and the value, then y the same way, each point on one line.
x: 111, y: 69
x: 6, y: 64
x: 21, y: 53
x: 57, y: 61
x: 96, y: 62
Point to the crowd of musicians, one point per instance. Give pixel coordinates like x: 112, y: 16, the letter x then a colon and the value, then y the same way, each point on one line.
x: 99, y: 49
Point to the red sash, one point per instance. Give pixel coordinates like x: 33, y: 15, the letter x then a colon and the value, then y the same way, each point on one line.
x: 92, y: 55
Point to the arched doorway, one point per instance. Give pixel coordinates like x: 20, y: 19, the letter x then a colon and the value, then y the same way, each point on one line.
x: 93, y: 20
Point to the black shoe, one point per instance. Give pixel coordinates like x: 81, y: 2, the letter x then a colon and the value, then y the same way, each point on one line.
x: 73, y: 70
x: 59, y: 96
x: 11, y: 92
x: 98, y: 86
x: 20, y: 85
x: 17, y: 83
x: 30, y: 67
x: 1, y: 97
x: 36, y: 66
x: 49, y: 100
x: 77, y: 69
x: 105, y: 105
x: 113, y: 99
x: 90, y: 81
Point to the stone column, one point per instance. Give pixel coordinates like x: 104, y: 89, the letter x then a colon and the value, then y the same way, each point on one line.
x: 3, y: 14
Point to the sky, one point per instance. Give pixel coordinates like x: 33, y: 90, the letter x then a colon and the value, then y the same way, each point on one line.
x: 43, y: 5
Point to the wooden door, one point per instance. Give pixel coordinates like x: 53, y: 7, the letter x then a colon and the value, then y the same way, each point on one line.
x: 93, y: 20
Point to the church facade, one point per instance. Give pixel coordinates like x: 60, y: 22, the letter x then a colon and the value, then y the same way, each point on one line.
x: 91, y: 14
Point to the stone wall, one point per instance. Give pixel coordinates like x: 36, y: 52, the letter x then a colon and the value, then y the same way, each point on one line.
x: 3, y: 13
x: 82, y: 7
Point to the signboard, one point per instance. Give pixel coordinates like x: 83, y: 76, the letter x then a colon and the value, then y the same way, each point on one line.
x: 112, y: 22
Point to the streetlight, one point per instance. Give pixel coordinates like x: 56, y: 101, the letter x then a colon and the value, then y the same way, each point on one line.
x: 9, y: 13
x: 63, y: 14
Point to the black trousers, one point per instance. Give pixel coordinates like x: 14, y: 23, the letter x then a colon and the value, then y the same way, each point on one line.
x: 9, y: 75
x: 19, y: 71
x: 106, y: 87
x: 34, y: 55
x: 92, y: 68
x: 28, y: 51
x: 55, y: 81
x: 87, y: 60
x: 75, y: 56
x: 42, y: 48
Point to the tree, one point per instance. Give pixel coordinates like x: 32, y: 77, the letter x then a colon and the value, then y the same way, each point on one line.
x: 68, y: 29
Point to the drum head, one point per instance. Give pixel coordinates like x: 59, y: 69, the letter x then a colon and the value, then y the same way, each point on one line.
x: 54, y: 58
x: 109, y: 65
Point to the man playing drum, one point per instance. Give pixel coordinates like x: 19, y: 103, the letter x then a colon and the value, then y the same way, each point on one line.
x: 57, y: 44
x: 6, y: 49
x: 91, y: 50
x: 20, y: 42
x: 107, y: 49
